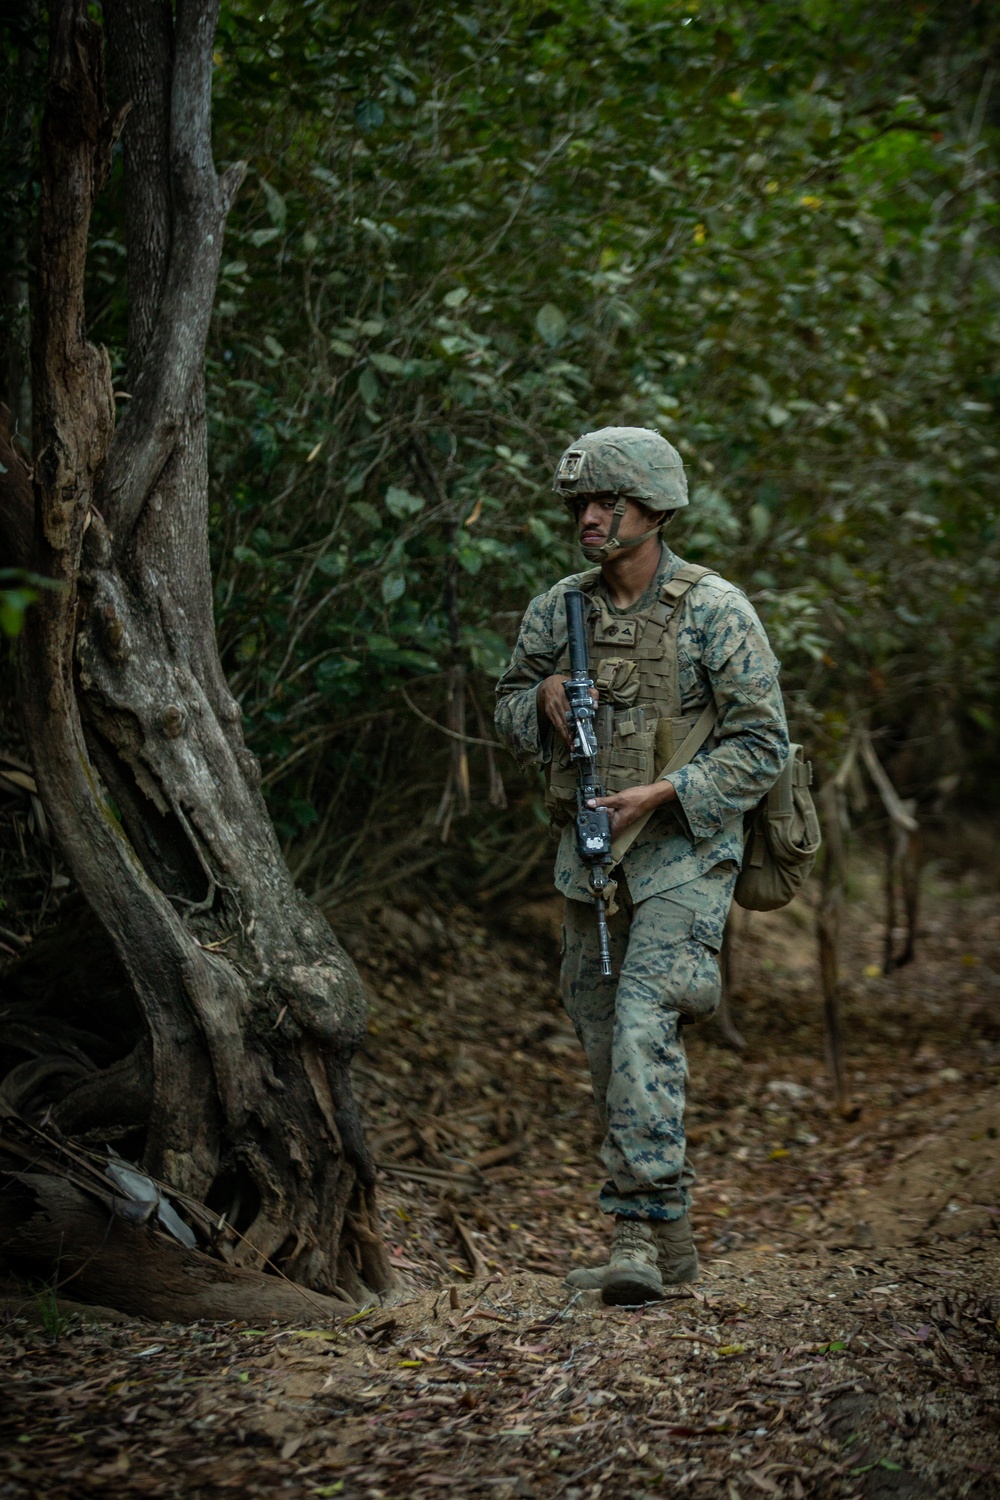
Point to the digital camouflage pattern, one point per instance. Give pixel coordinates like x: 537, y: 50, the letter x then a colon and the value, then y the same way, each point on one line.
x: 676, y: 881
x: 723, y: 654
x: 664, y: 967
x: 630, y: 461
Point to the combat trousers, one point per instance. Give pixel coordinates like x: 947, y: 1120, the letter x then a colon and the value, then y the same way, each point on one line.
x: 665, y: 970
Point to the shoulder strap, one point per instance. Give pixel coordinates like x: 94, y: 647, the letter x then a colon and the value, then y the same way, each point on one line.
x: 673, y: 594
x: 686, y: 576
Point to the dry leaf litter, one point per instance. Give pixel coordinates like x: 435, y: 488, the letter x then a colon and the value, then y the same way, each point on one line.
x: 842, y: 1342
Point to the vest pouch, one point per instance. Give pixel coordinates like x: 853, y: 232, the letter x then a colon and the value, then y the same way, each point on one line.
x: 633, y: 662
x: 629, y: 760
x: 561, y: 785
x: 782, y: 839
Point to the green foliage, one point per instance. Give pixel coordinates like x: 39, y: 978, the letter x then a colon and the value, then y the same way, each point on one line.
x: 18, y: 591
x: 54, y: 1322
x: 768, y: 231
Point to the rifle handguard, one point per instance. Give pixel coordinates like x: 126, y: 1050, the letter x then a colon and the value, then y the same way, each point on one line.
x: 593, y: 824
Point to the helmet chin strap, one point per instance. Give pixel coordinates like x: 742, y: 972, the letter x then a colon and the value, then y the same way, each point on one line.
x: 614, y: 543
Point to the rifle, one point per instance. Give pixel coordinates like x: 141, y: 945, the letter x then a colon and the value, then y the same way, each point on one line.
x: 593, y: 826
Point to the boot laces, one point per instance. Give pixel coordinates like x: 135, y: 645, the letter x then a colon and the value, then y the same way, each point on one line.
x: 634, y: 1237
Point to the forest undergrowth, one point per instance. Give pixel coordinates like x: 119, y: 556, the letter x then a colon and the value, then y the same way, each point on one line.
x: 843, y: 1339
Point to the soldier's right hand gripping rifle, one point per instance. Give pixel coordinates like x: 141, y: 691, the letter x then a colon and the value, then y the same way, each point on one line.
x: 593, y: 825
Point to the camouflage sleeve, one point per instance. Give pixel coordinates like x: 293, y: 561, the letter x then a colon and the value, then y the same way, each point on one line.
x: 750, y: 744
x: 533, y: 659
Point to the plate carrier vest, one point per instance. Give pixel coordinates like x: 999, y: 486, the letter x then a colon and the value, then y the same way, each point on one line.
x: 633, y: 662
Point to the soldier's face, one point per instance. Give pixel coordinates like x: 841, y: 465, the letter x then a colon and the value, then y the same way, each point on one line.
x: 594, y: 514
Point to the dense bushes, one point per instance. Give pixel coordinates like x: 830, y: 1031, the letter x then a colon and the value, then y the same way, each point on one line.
x: 769, y: 231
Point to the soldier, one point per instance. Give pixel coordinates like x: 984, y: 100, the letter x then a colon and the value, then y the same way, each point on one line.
x: 666, y: 639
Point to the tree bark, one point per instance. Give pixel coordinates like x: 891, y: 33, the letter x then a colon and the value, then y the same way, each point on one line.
x: 16, y: 365
x: 250, y: 1006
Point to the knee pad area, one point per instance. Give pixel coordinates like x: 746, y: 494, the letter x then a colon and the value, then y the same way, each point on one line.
x: 685, y: 979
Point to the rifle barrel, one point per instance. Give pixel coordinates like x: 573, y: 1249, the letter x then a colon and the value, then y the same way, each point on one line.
x: 576, y: 627
x: 602, y: 937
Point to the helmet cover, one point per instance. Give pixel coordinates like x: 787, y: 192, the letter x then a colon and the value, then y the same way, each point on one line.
x: 633, y: 462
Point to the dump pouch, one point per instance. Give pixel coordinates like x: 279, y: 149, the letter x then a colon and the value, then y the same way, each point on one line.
x: 782, y: 839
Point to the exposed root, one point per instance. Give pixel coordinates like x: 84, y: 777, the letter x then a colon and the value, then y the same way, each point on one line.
x: 49, y: 1227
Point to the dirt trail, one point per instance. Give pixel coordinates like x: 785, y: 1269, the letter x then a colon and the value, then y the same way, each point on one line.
x: 843, y: 1340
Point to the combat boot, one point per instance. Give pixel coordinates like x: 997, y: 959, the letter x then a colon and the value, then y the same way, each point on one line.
x: 677, y: 1258
x: 586, y: 1278
x: 633, y: 1274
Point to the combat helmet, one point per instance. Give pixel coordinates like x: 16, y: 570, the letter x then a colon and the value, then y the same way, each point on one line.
x: 633, y: 463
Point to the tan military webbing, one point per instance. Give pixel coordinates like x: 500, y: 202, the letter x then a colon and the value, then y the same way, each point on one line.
x: 682, y: 580
x: 635, y: 666
x: 673, y: 592
x: 685, y: 753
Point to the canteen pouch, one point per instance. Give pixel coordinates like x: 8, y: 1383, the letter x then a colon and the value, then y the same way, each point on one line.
x: 782, y: 839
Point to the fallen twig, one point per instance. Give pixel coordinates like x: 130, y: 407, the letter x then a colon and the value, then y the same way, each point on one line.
x: 472, y: 1255
x: 497, y: 1154
x: 432, y: 1174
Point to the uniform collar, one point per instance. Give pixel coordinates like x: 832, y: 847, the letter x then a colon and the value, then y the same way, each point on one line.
x: 669, y: 565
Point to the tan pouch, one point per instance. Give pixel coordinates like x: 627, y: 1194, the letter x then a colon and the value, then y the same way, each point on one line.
x: 560, y: 790
x: 629, y: 758
x: 685, y: 752
x: 782, y: 839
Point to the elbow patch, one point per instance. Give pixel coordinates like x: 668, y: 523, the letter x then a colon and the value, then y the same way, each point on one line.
x: 754, y: 684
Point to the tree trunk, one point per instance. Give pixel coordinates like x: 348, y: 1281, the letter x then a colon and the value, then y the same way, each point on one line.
x: 20, y: 103
x: 251, y: 1008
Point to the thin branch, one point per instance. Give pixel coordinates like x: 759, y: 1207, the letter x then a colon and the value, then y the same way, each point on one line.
x: 845, y: 770
x: 453, y: 734
x: 890, y: 797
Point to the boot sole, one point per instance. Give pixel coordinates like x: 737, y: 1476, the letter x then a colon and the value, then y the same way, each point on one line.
x: 593, y: 1283
x: 623, y: 1290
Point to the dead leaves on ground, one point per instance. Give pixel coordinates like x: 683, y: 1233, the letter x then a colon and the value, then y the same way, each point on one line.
x: 812, y: 1361
x: 763, y: 1382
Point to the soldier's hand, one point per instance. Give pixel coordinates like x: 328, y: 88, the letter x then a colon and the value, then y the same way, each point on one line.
x: 553, y: 704
x: 625, y: 807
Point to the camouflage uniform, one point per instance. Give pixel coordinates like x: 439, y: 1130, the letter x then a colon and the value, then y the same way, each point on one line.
x: 676, y: 881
